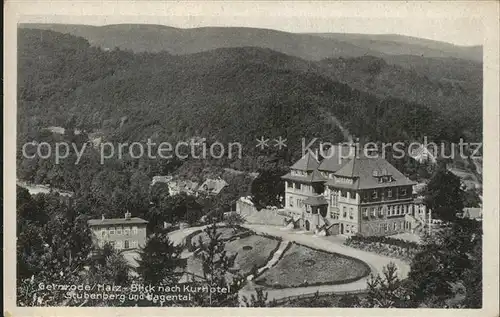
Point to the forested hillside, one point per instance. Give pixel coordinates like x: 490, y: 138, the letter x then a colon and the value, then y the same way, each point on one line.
x: 226, y: 94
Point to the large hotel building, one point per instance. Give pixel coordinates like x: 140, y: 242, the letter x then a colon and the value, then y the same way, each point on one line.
x: 351, y: 194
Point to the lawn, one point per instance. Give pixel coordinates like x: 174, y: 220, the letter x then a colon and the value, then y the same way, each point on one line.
x: 251, y: 251
x: 303, y: 266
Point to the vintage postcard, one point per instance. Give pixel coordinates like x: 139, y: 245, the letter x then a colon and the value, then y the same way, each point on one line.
x: 251, y: 158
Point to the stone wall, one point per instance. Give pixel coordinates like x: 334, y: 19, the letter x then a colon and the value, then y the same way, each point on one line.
x: 263, y: 216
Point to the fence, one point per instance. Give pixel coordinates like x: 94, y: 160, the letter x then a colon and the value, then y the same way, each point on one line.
x: 306, y: 296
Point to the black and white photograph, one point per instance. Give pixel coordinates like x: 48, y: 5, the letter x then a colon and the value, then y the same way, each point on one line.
x: 238, y: 161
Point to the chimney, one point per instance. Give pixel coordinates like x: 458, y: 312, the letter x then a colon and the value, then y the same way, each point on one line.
x: 127, y: 215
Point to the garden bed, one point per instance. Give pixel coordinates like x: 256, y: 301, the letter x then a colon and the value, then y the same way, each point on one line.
x: 252, y: 251
x: 303, y: 266
x: 387, y: 246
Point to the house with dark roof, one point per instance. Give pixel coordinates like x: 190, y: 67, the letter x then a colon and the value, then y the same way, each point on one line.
x: 128, y: 233
x: 347, y: 193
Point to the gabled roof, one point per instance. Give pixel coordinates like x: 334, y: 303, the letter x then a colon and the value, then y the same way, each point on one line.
x: 308, y: 162
x: 116, y: 221
x: 336, y: 157
x: 365, y: 171
x: 315, y: 177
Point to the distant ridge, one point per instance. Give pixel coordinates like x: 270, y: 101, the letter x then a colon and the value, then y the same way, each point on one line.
x: 310, y: 46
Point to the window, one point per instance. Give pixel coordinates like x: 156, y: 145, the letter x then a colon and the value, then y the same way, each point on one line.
x: 403, y: 191
x: 374, y: 194
x: 344, y: 212
x: 291, y: 201
x: 119, y: 231
x: 333, y: 198
x: 389, y: 193
x: 386, y: 226
x: 380, y: 211
x: 127, y: 246
x: 343, y: 193
x: 353, y: 229
x: 134, y: 230
x: 347, y: 228
x: 119, y: 245
x: 289, y: 184
x: 103, y: 232
x: 373, y: 211
x: 395, y: 226
x: 134, y: 244
x: 126, y: 231
x: 298, y: 186
x: 365, y: 212
x: 111, y: 231
x: 351, y: 213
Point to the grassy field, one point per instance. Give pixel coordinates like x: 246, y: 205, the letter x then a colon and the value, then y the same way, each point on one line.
x: 251, y: 251
x: 303, y: 266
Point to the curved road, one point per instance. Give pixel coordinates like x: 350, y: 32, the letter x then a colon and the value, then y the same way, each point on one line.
x: 375, y: 261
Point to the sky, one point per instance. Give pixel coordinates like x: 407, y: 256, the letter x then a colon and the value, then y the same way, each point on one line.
x: 457, y: 23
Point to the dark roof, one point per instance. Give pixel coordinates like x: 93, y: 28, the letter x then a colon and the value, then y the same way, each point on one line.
x: 336, y: 157
x: 362, y: 169
x: 115, y: 221
x: 316, y: 201
x: 315, y: 177
x: 308, y: 162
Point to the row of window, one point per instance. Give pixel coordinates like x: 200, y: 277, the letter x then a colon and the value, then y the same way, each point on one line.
x: 393, y: 210
x: 389, y: 192
x: 384, y: 227
x: 121, y: 244
x: 118, y: 231
x: 299, y: 202
x: 350, y: 229
x: 344, y: 212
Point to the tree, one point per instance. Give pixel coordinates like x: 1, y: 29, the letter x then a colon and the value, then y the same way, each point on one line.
x: 160, y: 260
x: 451, y: 256
x: 109, y: 267
x: 471, y: 198
x: 216, y: 264
x: 387, y: 291
x: 257, y: 300
x: 268, y: 188
x: 234, y: 220
x: 444, y: 194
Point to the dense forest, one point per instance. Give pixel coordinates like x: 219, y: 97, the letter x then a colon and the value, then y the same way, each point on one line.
x: 233, y: 94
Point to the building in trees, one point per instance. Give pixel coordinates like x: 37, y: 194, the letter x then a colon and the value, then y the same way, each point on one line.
x: 349, y: 193
x: 126, y: 233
